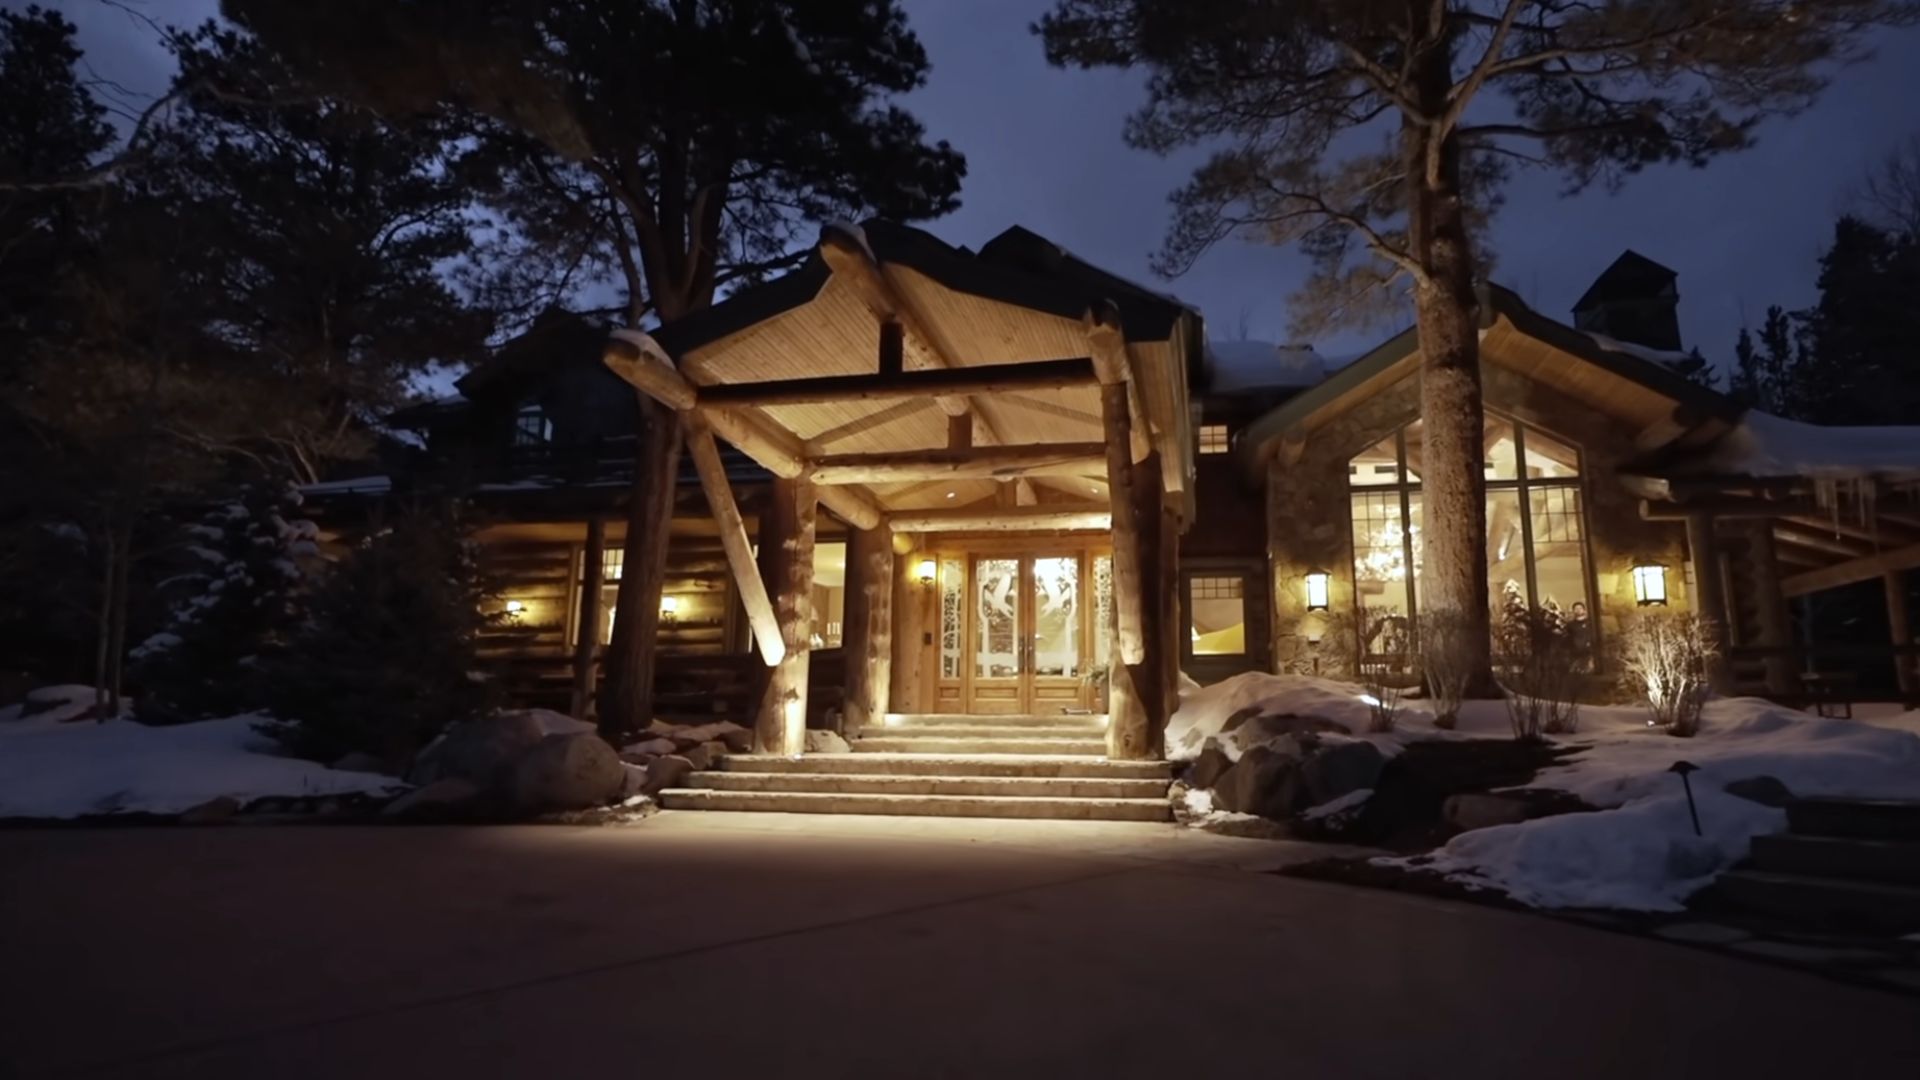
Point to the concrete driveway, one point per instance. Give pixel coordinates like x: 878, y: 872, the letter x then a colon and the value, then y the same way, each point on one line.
x: 742, y: 945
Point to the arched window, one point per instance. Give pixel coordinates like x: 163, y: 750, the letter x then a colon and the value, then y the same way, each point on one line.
x: 1536, y: 535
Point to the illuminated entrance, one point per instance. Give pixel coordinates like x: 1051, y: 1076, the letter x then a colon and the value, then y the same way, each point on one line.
x: 1020, y: 631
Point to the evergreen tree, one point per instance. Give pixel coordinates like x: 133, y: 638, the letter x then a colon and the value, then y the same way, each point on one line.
x: 1862, y: 365
x: 1767, y: 373
x: 1361, y: 131
x: 387, y: 657
x: 238, y: 600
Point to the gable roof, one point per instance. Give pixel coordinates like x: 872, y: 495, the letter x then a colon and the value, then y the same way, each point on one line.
x: 1632, y: 275
x: 1513, y: 335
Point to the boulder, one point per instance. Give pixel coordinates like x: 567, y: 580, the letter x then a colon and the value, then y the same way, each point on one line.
x: 705, y: 755
x: 1336, y: 769
x: 441, y: 796
x: 646, y: 750
x: 738, y: 740
x: 666, y: 772
x: 212, y: 812
x: 826, y: 742
x: 1264, y: 782
x: 686, y: 735
x: 364, y: 762
x: 1207, y: 768
x: 634, y: 785
x: 1479, y: 810
x: 1281, y: 731
x: 1765, y: 790
x: 485, y: 749
x: 567, y: 772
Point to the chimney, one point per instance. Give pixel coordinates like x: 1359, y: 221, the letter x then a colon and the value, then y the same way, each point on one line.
x: 1635, y: 300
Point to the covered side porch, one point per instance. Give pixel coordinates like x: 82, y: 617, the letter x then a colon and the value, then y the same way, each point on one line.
x: 1006, y: 436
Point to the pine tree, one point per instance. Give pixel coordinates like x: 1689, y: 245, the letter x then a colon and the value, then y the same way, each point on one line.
x: 239, y: 600
x: 1768, y: 374
x: 1513, y: 628
x: 387, y: 657
x: 1362, y: 132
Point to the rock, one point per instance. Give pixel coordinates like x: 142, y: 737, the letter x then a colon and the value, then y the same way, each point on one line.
x: 1286, y: 733
x: 704, y: 755
x: 1264, y: 782
x: 1338, y: 769
x: 826, y: 742
x: 634, y: 785
x: 1207, y: 768
x: 212, y: 812
x: 666, y: 772
x: 1282, y: 723
x: 367, y: 763
x: 1478, y: 810
x: 440, y: 796
x: 1765, y: 790
x: 738, y: 740
x: 567, y: 772
x: 485, y: 749
x: 646, y: 750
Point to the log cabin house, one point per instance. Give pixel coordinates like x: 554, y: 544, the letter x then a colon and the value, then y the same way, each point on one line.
x: 927, y: 481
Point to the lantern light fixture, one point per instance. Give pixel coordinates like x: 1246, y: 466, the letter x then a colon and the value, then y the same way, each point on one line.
x: 669, y: 607
x: 515, y: 608
x: 1650, y: 585
x: 1318, y: 582
x: 924, y: 571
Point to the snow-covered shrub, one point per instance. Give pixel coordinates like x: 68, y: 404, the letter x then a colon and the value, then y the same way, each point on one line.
x: 388, y: 655
x: 1540, y: 666
x: 1446, y: 662
x: 1382, y: 696
x: 236, y: 599
x: 1666, y: 654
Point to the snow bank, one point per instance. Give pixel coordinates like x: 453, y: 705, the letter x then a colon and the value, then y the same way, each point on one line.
x: 50, y: 769
x: 1641, y: 853
x: 1204, y: 711
x: 55, y: 705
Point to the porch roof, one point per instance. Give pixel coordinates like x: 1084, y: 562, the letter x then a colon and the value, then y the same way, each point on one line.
x: 1009, y: 338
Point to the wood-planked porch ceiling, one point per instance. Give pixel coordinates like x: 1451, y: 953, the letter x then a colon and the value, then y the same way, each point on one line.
x: 956, y: 311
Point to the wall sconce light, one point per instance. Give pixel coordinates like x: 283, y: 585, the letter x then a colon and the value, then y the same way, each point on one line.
x: 1650, y: 585
x: 1317, y: 584
x: 925, y: 571
x: 669, y: 607
x: 515, y: 608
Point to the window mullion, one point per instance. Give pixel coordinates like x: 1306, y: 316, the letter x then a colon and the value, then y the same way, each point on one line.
x: 1526, y: 514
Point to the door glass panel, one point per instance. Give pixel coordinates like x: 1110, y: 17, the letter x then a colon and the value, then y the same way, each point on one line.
x: 953, y: 587
x: 1102, y: 609
x: 1056, y: 616
x: 997, y: 618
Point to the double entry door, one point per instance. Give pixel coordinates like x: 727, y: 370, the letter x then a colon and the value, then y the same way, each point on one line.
x: 1029, y: 632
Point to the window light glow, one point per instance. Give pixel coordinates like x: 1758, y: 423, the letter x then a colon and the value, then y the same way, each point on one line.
x: 1650, y: 585
x: 1318, y: 582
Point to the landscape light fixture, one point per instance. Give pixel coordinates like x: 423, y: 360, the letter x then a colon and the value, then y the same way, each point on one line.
x: 669, y: 607
x: 1650, y: 585
x: 1317, y: 581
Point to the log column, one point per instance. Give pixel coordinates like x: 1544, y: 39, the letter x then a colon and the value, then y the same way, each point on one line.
x: 586, y: 645
x: 786, y: 562
x: 1137, y: 709
x: 1709, y: 595
x: 1770, y: 603
x: 911, y: 630
x: 626, y: 694
x: 869, y: 628
x: 1900, y: 629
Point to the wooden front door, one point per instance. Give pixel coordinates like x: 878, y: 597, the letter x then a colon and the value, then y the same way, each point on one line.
x: 1028, y: 641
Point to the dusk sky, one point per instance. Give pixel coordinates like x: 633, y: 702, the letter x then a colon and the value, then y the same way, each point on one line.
x: 1044, y: 150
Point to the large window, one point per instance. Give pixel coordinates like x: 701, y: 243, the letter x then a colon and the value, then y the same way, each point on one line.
x: 1536, y: 534
x: 531, y: 427
x: 1217, y: 610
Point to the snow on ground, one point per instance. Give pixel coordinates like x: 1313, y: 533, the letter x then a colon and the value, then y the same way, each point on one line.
x: 50, y: 768
x: 1639, y: 852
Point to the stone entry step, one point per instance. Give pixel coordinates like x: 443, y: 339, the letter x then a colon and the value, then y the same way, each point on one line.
x: 895, y: 742
x: 983, y: 728
x: 1062, y: 721
x: 1072, y: 787
x: 951, y: 765
x: 988, y: 806
x: 1837, y: 901
x: 1865, y: 819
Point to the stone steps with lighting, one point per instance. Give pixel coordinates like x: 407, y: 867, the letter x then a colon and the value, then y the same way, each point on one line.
x: 973, y: 806
x: 883, y: 764
x: 1058, y: 721
x: 1074, y: 787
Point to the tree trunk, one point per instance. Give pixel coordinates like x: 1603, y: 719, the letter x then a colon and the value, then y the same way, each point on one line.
x: 117, y: 624
x: 786, y: 560
x: 102, y: 626
x: 586, y: 645
x: 626, y: 694
x: 869, y: 628
x: 1447, y: 316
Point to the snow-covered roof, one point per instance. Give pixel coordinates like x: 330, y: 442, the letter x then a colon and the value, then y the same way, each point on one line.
x: 1657, y: 356
x: 1255, y: 365
x: 1765, y: 445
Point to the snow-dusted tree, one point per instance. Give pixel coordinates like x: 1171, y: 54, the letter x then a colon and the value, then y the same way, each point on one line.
x: 1376, y: 134
x: 1665, y: 655
x: 683, y: 143
x: 236, y: 601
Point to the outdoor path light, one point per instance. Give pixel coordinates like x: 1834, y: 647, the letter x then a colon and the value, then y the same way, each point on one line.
x: 1684, y: 768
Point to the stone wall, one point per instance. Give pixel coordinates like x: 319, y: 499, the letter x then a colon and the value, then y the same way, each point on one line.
x: 1309, y: 521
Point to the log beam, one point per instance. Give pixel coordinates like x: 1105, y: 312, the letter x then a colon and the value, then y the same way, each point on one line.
x: 1113, y: 361
x: 786, y: 561
x: 1846, y: 573
x: 733, y: 539
x: 1045, y: 517
x: 928, y: 382
x: 972, y: 463
x: 636, y: 357
x: 868, y: 644
x: 850, y: 260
